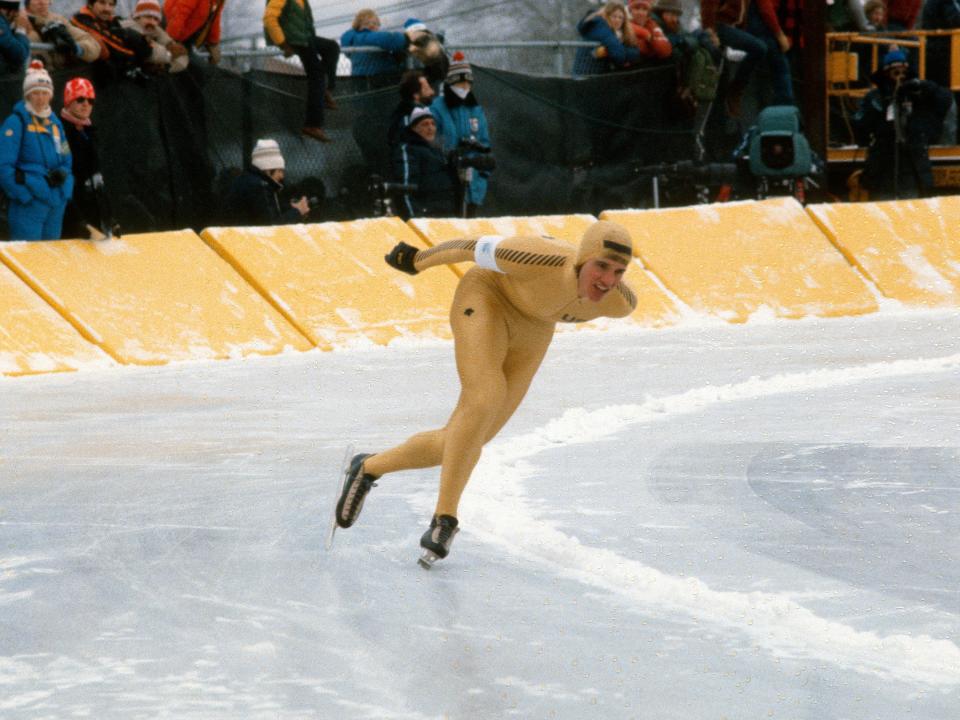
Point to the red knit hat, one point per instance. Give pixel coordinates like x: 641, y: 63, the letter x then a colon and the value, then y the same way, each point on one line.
x: 149, y: 8
x: 78, y: 87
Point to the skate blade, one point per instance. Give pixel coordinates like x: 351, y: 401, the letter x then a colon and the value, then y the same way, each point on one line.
x: 427, y: 559
x: 344, y: 467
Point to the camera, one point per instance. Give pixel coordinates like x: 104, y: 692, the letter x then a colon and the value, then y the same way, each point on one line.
x: 387, y: 194
x: 472, y: 154
x: 58, y: 35
x: 57, y: 177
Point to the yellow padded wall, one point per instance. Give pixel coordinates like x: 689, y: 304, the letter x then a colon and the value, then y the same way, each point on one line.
x: 331, y: 281
x: 733, y: 260
x: 152, y: 298
x: 654, y: 306
x: 909, y: 248
x: 34, y: 338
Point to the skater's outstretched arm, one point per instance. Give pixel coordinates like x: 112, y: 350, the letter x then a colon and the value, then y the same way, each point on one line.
x: 516, y: 256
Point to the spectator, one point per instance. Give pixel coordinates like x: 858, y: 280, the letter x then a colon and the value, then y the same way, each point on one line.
x: 254, y: 197
x: 666, y: 13
x: 651, y: 41
x: 71, y: 45
x: 902, y: 14
x: 196, y: 24
x: 415, y: 91
x: 289, y: 25
x: 365, y: 32
x: 124, y: 50
x: 724, y: 21
x: 419, y: 160
x: 14, y: 44
x: 763, y: 24
x: 848, y: 16
x: 897, y: 121
x: 875, y: 12
x: 35, y: 162
x: 618, y: 45
x: 462, y: 124
x: 425, y: 47
x: 88, y: 212
x: 166, y: 53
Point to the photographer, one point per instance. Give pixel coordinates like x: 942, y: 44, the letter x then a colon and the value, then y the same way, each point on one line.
x: 35, y: 162
x: 897, y: 121
x: 461, y: 121
x: 254, y: 198
x: 71, y: 45
x: 419, y: 161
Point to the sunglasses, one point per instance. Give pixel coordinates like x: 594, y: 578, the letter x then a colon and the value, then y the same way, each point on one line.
x: 86, y: 100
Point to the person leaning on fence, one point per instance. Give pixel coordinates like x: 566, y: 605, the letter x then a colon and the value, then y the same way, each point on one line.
x: 254, y: 197
x: 898, y: 161
x: 463, y: 130
x: 415, y: 91
x: 418, y: 160
x: 195, y: 24
x: 124, y: 50
x: 724, y: 21
x: 166, y: 53
x: 14, y: 43
x: 88, y: 213
x: 365, y: 32
x: 651, y: 40
x: 35, y: 162
x: 618, y: 45
x: 289, y: 25
x: 71, y: 45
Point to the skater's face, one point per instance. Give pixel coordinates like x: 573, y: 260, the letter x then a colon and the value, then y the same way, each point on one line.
x: 598, y: 277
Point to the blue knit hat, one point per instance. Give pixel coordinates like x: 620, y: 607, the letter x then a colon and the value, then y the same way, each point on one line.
x: 412, y: 24
x: 894, y: 57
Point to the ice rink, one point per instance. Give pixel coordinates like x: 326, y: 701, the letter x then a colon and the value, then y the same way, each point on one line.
x: 696, y: 523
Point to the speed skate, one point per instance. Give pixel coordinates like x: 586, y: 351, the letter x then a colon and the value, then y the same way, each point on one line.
x: 342, y: 479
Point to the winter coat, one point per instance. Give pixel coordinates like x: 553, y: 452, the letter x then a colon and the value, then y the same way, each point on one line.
x: 254, y: 199
x: 924, y: 105
x: 288, y: 21
x: 87, y: 48
x: 586, y: 62
x: 14, y: 47
x: 194, y: 22
x: 651, y: 40
x: 417, y: 162
x: 902, y: 14
x: 85, y: 206
x: 364, y: 64
x: 119, y: 45
x: 164, y: 50
x: 34, y: 147
x: 459, y: 120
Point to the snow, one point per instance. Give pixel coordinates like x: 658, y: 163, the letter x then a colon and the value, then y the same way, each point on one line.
x: 704, y: 521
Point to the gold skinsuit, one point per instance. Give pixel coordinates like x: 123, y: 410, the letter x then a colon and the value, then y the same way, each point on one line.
x: 502, y: 326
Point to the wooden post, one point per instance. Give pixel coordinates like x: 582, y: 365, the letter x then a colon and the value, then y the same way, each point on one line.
x: 812, y: 61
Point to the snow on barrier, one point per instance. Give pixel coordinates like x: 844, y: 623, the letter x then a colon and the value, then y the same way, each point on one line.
x: 654, y: 306
x: 34, y: 338
x: 910, y: 249
x: 330, y: 279
x: 152, y: 298
x: 736, y: 259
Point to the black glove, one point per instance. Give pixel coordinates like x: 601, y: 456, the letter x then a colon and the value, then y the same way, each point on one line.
x: 402, y: 257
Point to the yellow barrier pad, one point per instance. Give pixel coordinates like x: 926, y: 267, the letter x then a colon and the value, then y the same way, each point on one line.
x: 34, y: 338
x: 909, y: 248
x: 736, y: 259
x: 152, y: 298
x: 654, y: 306
x: 330, y: 279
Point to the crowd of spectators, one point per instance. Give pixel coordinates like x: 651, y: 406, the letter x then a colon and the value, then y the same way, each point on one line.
x: 438, y: 135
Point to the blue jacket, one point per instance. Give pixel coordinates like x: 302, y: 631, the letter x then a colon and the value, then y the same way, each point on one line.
x: 593, y: 27
x: 462, y: 120
x: 374, y: 63
x: 14, y: 47
x: 35, y: 146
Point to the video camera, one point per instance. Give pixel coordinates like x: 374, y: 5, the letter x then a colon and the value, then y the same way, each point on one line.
x: 472, y: 154
x: 58, y: 35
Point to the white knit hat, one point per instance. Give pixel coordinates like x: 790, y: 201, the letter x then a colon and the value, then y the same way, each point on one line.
x: 37, y: 79
x: 266, y: 155
x: 418, y: 114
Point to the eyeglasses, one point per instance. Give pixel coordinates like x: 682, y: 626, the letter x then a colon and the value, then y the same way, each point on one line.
x: 86, y: 100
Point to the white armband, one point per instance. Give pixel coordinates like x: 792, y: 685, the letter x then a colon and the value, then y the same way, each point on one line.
x: 485, y: 254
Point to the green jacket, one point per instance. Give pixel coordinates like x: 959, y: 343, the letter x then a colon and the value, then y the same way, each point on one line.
x: 288, y: 21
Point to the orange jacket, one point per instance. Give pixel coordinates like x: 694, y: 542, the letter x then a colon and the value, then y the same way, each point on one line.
x: 187, y: 20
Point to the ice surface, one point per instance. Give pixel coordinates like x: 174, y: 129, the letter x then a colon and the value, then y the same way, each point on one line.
x: 702, y: 522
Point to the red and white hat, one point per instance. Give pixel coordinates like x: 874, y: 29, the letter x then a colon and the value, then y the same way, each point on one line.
x: 37, y: 78
x: 148, y: 8
x: 78, y: 87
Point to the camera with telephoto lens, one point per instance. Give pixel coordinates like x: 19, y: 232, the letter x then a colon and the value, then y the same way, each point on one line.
x: 57, y: 177
x: 472, y: 154
x: 58, y: 35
